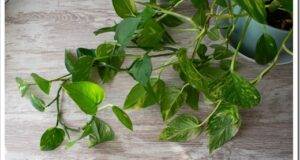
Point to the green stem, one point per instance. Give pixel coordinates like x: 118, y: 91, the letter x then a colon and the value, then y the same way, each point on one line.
x: 239, y: 44
x: 60, y: 78
x: 266, y: 70
x: 287, y: 50
x: 174, y: 6
x: 212, y: 113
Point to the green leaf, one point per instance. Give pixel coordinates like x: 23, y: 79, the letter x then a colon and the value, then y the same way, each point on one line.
x: 182, y: 128
x: 223, y: 125
x: 167, y: 38
x: 201, y: 50
x: 213, y: 34
x: 122, y: 117
x: 125, y: 30
x: 171, y: 101
x: 146, y: 14
x: 22, y: 85
x: 86, y: 95
x: 37, y: 103
x: 125, y: 8
x: 192, y: 98
x: 141, y: 70
x: 171, y: 21
x: 225, y: 64
x: 200, y: 4
x: 111, y: 58
x: 151, y: 37
x: 200, y: 17
x: 70, y: 61
x: 82, y: 69
x: 236, y: 90
x: 43, y: 84
x: 221, y: 3
x: 194, y: 78
x: 105, y: 29
x: 100, y: 132
x: 85, y: 52
x: 52, y: 138
x: 255, y: 8
x: 138, y: 97
x: 266, y: 49
x: 286, y: 5
x: 221, y: 52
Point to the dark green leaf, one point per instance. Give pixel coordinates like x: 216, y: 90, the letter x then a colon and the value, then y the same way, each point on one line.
x: 52, y: 138
x: 221, y: 52
x: 70, y: 61
x: 171, y: 101
x: 125, y: 8
x: 236, y: 90
x: 85, y: 52
x: 201, y: 50
x: 167, y: 38
x: 182, y: 128
x: 192, y: 98
x: 146, y: 14
x: 111, y: 58
x: 37, y: 103
x: 193, y: 77
x: 171, y: 21
x: 221, y: 3
x: 82, y: 69
x: 223, y: 125
x: 286, y: 5
x: 200, y: 4
x: 126, y: 30
x: 255, y: 8
x: 266, y: 49
x: 213, y: 34
x: 151, y: 37
x: 141, y: 70
x: 86, y: 95
x: 43, y: 84
x: 123, y: 117
x: 100, y: 132
x: 138, y: 97
x: 225, y: 64
x: 23, y: 86
x: 200, y: 17
x: 105, y: 29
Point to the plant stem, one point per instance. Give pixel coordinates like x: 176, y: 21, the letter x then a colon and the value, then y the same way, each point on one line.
x: 106, y: 106
x: 174, y: 6
x: 287, y: 50
x: 239, y: 44
x: 267, y: 69
x: 60, y: 78
x: 162, y: 55
x: 208, y: 117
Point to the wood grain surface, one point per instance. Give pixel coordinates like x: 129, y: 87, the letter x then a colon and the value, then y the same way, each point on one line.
x: 38, y: 31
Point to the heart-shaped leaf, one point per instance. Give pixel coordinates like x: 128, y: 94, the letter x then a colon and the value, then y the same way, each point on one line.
x: 141, y: 70
x: 43, y: 83
x: 125, y: 8
x: 122, y: 117
x: 266, y: 49
x: 52, y: 138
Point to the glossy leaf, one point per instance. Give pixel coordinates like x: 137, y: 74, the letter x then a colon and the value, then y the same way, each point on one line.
x: 221, y: 52
x: 192, y: 98
x: 171, y: 101
x: 52, y: 138
x: 85, y: 52
x: 194, y: 78
x: 99, y: 132
x: 201, y: 50
x: 236, y: 90
x: 70, y: 61
x: 111, y: 58
x: 125, y: 8
x: 105, y: 29
x: 82, y: 69
x: 223, y: 125
x: 37, y: 103
x: 200, y: 17
x: 86, y: 95
x: 42, y: 83
x: 122, y: 117
x: 255, y: 8
x: 151, y: 37
x: 182, y: 128
x: 171, y: 21
x: 213, y: 34
x: 138, y: 97
x: 266, y: 49
x: 125, y: 30
x: 141, y: 70
x: 22, y: 85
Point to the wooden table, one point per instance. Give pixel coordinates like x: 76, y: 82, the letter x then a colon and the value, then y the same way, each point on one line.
x: 38, y: 31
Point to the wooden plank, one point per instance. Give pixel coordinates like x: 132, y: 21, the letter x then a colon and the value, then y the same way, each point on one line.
x: 38, y: 31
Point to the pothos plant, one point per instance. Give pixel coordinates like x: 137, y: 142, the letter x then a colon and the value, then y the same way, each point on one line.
x: 213, y: 75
